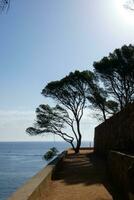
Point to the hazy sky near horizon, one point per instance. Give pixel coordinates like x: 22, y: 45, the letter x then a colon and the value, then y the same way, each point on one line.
x: 42, y: 41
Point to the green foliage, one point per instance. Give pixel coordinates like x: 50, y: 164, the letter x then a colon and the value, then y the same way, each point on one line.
x: 51, y: 120
x: 109, y: 89
x: 69, y: 93
x: 4, y: 5
x: 117, y: 74
x: 97, y: 96
x: 112, y: 107
x: 50, y: 153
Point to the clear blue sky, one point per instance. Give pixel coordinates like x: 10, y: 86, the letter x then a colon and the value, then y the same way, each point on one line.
x: 44, y: 40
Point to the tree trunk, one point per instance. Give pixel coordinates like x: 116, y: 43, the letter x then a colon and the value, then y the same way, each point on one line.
x: 72, y: 146
x: 78, y: 145
x: 104, y: 115
x: 79, y: 137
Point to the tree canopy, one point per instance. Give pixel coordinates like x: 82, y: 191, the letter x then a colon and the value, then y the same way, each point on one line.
x: 117, y: 73
x: 108, y: 89
x: 97, y: 96
x: 51, y: 120
x: 4, y: 4
x: 69, y: 92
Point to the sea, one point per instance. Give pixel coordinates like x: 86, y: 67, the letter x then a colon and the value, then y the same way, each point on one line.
x: 19, y: 161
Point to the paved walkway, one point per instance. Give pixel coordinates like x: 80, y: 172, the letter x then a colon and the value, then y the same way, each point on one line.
x: 82, y: 177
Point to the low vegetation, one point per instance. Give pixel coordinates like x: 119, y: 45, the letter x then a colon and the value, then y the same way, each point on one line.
x: 52, y: 152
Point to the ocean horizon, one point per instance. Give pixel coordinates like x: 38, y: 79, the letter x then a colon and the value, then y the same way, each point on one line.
x: 20, y: 160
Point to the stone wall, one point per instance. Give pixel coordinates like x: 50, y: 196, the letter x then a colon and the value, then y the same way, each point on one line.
x: 121, y: 167
x: 38, y: 186
x: 117, y: 133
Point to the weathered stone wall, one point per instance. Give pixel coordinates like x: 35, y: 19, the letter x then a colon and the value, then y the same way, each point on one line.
x: 39, y: 185
x: 117, y: 133
x: 121, y: 168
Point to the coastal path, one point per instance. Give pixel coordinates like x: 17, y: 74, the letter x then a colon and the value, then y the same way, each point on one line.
x: 81, y: 177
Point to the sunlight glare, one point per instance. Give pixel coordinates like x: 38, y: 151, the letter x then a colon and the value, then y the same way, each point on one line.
x: 127, y: 15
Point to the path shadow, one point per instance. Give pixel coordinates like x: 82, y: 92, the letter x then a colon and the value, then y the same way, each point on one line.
x: 87, y: 169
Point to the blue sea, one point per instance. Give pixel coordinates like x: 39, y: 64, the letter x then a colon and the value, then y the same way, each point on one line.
x: 19, y: 161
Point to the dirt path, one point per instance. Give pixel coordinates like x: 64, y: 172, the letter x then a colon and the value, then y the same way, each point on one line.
x: 82, y: 177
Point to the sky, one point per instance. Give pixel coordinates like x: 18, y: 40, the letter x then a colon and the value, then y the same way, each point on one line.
x: 42, y: 41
